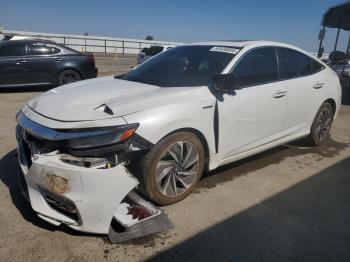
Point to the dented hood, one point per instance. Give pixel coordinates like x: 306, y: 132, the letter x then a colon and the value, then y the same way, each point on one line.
x: 85, y: 100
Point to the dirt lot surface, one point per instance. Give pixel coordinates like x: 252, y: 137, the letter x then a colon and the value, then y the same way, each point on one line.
x: 290, y: 203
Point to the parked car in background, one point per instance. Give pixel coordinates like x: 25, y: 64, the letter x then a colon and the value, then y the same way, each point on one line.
x: 342, y: 68
x: 83, y: 148
x: 154, y: 50
x: 141, y: 54
x: 33, y: 62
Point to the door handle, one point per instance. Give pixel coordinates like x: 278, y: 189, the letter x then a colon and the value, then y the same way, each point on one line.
x: 58, y: 59
x: 21, y: 62
x: 318, y: 85
x: 279, y: 93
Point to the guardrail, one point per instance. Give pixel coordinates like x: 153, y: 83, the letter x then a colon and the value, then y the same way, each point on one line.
x: 105, y: 45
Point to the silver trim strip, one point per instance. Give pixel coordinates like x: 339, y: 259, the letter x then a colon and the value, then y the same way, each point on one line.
x: 46, y: 133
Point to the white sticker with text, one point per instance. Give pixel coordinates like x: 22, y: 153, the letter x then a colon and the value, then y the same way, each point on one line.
x: 230, y: 50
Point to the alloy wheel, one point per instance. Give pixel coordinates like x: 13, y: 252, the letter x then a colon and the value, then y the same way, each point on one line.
x: 69, y: 77
x: 324, y: 122
x: 177, y: 169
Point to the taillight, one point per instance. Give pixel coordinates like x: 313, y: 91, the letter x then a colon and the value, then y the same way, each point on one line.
x: 91, y: 58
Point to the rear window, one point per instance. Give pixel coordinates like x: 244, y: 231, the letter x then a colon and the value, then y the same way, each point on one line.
x: 154, y: 50
x: 13, y: 49
x: 42, y: 49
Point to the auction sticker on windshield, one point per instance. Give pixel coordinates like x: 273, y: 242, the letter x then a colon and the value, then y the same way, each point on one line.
x: 230, y: 50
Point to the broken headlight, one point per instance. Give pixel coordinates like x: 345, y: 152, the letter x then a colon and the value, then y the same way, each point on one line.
x: 103, y: 137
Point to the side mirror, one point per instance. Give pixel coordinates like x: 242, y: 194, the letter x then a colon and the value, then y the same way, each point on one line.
x: 224, y: 83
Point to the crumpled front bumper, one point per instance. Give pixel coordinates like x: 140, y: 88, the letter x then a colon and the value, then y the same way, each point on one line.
x: 97, y: 198
x: 91, y: 195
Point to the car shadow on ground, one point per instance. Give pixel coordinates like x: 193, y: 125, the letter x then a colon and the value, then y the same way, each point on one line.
x: 25, y: 89
x: 9, y: 176
x: 273, y: 156
x: 307, y: 222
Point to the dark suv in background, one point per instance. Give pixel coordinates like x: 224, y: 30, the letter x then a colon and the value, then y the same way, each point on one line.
x: 33, y: 62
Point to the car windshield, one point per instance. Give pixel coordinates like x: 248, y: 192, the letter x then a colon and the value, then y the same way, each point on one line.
x: 183, y: 66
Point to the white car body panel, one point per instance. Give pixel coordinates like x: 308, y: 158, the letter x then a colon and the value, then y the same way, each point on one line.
x: 250, y: 121
x: 241, y: 127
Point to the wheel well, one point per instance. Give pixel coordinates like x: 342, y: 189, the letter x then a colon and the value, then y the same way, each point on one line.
x: 332, y: 103
x: 201, y: 138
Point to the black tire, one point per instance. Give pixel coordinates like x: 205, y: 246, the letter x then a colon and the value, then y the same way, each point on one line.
x: 150, y: 164
x: 322, y: 121
x: 68, y: 76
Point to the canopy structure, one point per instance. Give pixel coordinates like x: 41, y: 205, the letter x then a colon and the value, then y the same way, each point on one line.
x: 338, y: 17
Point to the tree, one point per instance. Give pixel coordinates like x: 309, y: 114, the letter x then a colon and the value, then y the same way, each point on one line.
x: 149, y: 37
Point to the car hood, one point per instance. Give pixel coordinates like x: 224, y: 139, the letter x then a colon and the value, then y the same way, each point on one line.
x: 104, y: 98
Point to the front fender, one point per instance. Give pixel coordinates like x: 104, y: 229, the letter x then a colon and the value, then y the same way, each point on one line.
x: 159, y: 122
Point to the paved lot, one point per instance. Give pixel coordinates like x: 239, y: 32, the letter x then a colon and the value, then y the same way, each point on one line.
x: 290, y: 203
x: 114, y: 64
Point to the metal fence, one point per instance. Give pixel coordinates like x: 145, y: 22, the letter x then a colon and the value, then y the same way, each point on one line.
x: 105, y: 45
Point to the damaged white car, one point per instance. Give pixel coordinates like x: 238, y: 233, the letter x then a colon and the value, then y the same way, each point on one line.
x: 92, y: 154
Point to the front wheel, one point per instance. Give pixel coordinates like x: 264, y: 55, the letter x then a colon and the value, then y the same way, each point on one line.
x: 171, y: 169
x: 321, y: 125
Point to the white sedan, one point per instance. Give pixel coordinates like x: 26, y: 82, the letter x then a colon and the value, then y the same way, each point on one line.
x: 88, y: 150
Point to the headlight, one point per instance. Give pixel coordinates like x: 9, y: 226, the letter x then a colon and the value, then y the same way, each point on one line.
x: 102, y: 137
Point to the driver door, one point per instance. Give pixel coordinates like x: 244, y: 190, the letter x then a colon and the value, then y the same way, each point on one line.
x: 253, y: 115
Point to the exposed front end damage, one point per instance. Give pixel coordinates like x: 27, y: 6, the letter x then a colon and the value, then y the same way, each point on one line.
x: 87, y: 188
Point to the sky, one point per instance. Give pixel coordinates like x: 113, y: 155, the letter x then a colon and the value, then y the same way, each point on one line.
x: 296, y: 22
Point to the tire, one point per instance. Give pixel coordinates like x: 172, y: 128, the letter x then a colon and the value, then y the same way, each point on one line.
x: 321, y: 125
x: 68, y: 76
x: 165, y: 180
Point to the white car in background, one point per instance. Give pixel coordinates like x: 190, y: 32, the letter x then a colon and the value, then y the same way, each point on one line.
x: 88, y: 149
x: 141, y: 54
x: 152, y: 51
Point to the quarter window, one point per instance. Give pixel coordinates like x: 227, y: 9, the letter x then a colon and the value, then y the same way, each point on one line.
x: 316, y: 66
x: 257, y: 67
x: 293, y: 64
x: 13, y: 49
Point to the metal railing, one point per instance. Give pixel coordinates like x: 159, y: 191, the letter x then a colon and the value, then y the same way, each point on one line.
x: 103, y: 45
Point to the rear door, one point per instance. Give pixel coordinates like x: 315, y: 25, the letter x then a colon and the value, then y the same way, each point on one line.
x: 43, y: 62
x: 301, y: 76
x: 13, y: 67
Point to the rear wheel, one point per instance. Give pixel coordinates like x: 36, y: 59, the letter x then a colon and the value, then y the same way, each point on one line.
x: 68, y: 76
x: 321, y: 125
x: 171, y: 169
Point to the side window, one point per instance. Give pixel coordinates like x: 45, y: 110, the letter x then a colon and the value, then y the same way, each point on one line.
x: 293, y: 63
x: 257, y: 67
x: 42, y: 49
x: 13, y: 49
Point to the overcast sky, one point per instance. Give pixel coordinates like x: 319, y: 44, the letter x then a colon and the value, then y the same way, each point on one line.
x: 295, y: 22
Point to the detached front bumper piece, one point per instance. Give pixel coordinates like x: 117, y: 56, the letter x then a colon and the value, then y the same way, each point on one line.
x: 97, y: 199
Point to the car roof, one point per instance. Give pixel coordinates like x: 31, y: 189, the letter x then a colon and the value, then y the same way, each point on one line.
x: 250, y: 44
x: 30, y: 40
x: 245, y: 43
